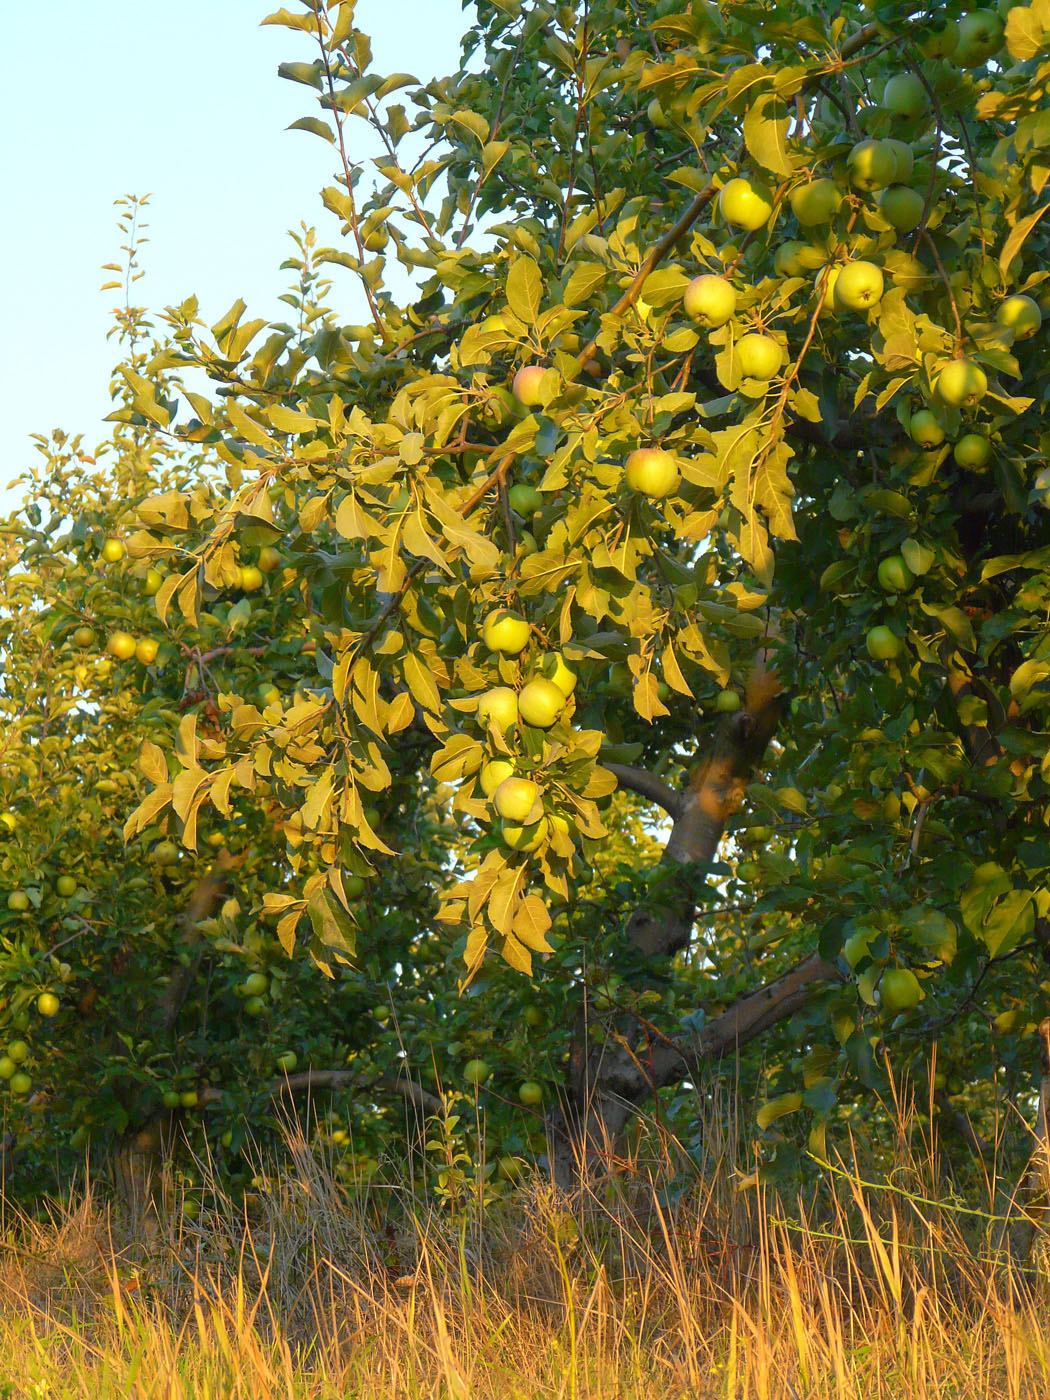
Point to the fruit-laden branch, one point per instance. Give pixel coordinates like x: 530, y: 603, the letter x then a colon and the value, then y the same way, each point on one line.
x: 310, y: 1079
x: 647, y: 785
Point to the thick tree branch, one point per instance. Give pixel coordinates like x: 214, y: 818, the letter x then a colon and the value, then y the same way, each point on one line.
x: 308, y: 1080
x: 647, y: 785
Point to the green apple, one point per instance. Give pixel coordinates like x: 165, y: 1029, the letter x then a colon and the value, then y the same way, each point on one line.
x: 556, y: 669
x: 746, y: 203
x: 189, y: 1098
x: 894, y: 574
x: 20, y: 1083
x: 7, y: 1067
x: 249, y: 578
x: 524, y: 500
x: 652, y: 472
x: 353, y: 886
x: 532, y: 1016
x: 941, y: 43
x: 540, y: 702
x: 710, y: 300
x: 899, y: 990
x: 505, y: 632
x: 749, y: 871
x: 528, y: 385
x: 727, y: 702
x: 255, y: 984
x: 170, y: 1098
x: 961, y: 383
x: 152, y: 583
x: 498, y: 706
x: 979, y: 35
x: 65, y: 886
x: 511, y: 1168
x: 925, y: 429
x: 530, y: 1093
x: 254, y: 1006
x: 902, y: 207
x: 905, y: 158
x: 83, y: 636
x: 860, y: 285
x: 121, y: 645
x: 829, y: 277
x: 516, y: 799
x: 883, y: 644
x: 872, y: 165
x: 47, y: 1004
x: 972, y: 451
x: 165, y: 854
x: 815, y: 202
x: 758, y: 356
x: 113, y: 551
x: 905, y: 96
x: 786, y: 260
x: 18, y: 1051
x: 287, y: 1061
x: 1041, y: 486
x: 496, y: 771
x: 269, y: 559
x: 521, y: 837
x: 476, y: 1071
x: 1020, y: 314
x: 18, y: 901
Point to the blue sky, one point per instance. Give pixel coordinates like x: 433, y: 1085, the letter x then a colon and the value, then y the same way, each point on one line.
x: 183, y: 103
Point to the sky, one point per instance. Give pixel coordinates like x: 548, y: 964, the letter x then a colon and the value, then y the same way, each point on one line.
x: 182, y: 103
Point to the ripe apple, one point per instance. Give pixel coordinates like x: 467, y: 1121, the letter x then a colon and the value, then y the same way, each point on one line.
x: 540, y: 702
x: 18, y: 901
x: 515, y: 799
x: 905, y: 96
x: 1020, y: 314
x: 249, y: 578
x: 83, y: 637
x: 746, y: 203
x: 47, y: 1004
x: 521, y: 837
x: 113, y: 551
x: 899, y: 990
x: 146, y: 651
x: 829, y: 277
x: 269, y: 559
x: 651, y: 472
x: 66, y: 886
x: 902, y: 207
x: 530, y: 1093
x: 905, y: 158
x: 151, y: 584
x: 872, y: 165
x: 727, y: 701
x: 165, y: 853
x: 979, y: 35
x: 122, y: 646
x: 498, y: 706
x: 860, y: 285
x: 894, y: 574
x: 287, y: 1061
x: 18, y: 1051
x: 496, y: 771
x: 505, y: 632
x: 882, y: 644
x: 925, y: 430
x: 815, y: 202
x: 710, y: 300
x: 962, y: 382
x: 758, y: 356
x: 557, y: 670
x: 528, y: 385
x: 476, y: 1071
x: 255, y: 984
x: 972, y: 451
x: 524, y: 500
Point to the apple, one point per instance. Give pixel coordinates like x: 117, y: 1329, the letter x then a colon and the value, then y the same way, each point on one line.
x: 189, y: 1098
x: 710, y: 300
x: 170, y: 1098
x: 1020, y: 314
x: 498, y: 706
x: 1041, y: 486
x: 146, y: 651
x: 18, y: 1051
x: 7, y: 1067
x: 941, y: 43
x: 476, y: 1071
x: 528, y: 385
x: 758, y: 356
x: 961, y: 383
x: 152, y: 583
x: 749, y: 872
x: 872, y: 165
x: 815, y: 202
x: 882, y: 644
x: 540, y: 703
x: 113, y: 551
x: 521, y: 837
x: 20, y: 1083
x: 894, y: 574
x: 496, y: 771
x: 524, y: 500
x: 165, y: 854
x: 249, y: 578
x: 972, y: 451
x: 905, y: 158
x: 287, y: 1061
x: 727, y: 701
x: 979, y: 34
x: 555, y: 668
x: 515, y: 799
x: 18, y: 901
x: 860, y: 285
x: 902, y: 207
x: 925, y: 429
x: 532, y: 1016
x: 505, y: 632
x: 829, y: 277
x: 905, y: 96
x: 511, y: 1168
x: 651, y: 472
x: 353, y: 886
x: 746, y: 203
x: 530, y: 1093
x: 269, y: 559
x: 254, y: 1006
x: 47, y: 1004
x: 83, y: 637
x: 255, y: 984
x: 122, y: 646
x: 66, y: 886
x: 899, y: 990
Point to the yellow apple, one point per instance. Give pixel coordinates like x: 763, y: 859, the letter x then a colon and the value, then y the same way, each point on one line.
x: 498, y: 706
x: 710, y: 300
x: 518, y: 800
x: 651, y: 472
x: 746, y: 203
x: 540, y: 703
x: 505, y: 632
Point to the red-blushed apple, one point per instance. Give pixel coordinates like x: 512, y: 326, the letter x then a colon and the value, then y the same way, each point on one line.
x: 528, y: 384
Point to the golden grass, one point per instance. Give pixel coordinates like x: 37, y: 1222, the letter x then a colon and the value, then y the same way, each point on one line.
x: 865, y: 1291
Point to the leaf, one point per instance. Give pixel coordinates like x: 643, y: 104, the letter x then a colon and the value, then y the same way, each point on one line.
x: 531, y: 922
x: 1025, y: 35
x: 330, y: 921
x: 306, y: 23
x: 1018, y: 234
x: 765, y: 133
x: 152, y: 762
x: 1011, y: 919
x: 583, y: 282
x: 314, y: 125
x: 312, y: 74
x: 505, y: 895
x: 525, y: 290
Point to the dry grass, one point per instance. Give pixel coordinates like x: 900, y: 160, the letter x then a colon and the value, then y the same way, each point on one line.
x: 867, y: 1291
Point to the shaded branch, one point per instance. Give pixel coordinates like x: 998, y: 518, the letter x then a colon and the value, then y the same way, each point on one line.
x: 647, y: 785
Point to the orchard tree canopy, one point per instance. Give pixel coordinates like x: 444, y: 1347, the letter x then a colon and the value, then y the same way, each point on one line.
x: 702, y: 473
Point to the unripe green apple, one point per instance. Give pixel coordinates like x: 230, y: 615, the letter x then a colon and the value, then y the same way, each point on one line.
x: 727, y: 702
x: 47, y: 1004
x: 972, y: 451
x: 979, y: 35
x: 925, y: 429
x: 256, y: 984
x: 165, y: 854
x: 7, y: 1067
x: 524, y: 500
x: 532, y: 1016
x: 882, y: 644
x: 524, y: 837
x: 899, y: 990
x: 20, y: 1083
x: 528, y: 385
x: 652, y: 472
x: 83, y: 637
x: 518, y: 800
x: 860, y: 285
x: 18, y: 901
x: 122, y: 646
x: 146, y: 651
x: 758, y: 356
x: 151, y: 584
x: 188, y: 1098
x: 476, y: 1071
x: 65, y: 886
x: 287, y: 1061
x: 902, y: 207
x: 1020, y: 314
x: 269, y: 559
x: 498, y: 706
x: 872, y: 165
x: 540, y: 702
x: 786, y: 261
x: 894, y: 574
x: 505, y: 632
x: 815, y: 202
x: 530, y: 1093
x: 746, y: 203
x: 905, y: 96
x: 496, y: 771
x: 18, y: 1051
x: 829, y: 278
x: 941, y: 43
x: 905, y: 158
x: 254, y: 1006
x: 353, y: 886
x: 710, y: 300
x: 113, y: 551
x: 962, y: 383
x: 557, y: 671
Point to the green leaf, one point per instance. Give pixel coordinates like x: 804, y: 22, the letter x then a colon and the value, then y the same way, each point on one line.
x: 1017, y: 237
x: 525, y: 290
x: 306, y: 23
x: 312, y: 74
x: 765, y: 133
x: 313, y: 124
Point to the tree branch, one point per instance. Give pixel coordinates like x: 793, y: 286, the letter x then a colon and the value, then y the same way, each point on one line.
x: 647, y: 785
